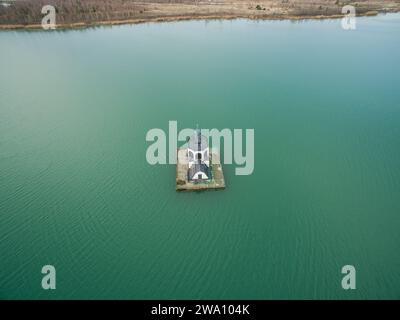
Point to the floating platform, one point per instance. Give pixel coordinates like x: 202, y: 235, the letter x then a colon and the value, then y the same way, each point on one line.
x: 217, y: 181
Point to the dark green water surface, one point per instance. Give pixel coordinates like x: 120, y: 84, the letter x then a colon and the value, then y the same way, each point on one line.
x: 76, y: 191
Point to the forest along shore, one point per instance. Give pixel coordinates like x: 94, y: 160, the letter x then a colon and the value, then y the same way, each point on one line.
x: 27, y: 14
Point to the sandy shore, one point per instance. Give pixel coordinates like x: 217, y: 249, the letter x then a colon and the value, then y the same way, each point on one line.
x: 172, y: 19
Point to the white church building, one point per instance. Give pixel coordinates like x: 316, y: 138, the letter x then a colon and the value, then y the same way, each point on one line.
x: 198, y: 158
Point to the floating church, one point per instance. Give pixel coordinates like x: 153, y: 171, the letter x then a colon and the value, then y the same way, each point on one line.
x: 198, y: 158
x: 197, y: 167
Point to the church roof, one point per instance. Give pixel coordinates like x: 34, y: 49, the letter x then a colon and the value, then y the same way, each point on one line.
x: 197, y: 141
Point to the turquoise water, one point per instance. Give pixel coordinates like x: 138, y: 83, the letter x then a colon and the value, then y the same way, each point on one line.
x: 76, y: 191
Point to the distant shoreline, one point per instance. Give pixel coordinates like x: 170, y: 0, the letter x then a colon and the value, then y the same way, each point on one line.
x: 80, y: 25
x: 74, y: 14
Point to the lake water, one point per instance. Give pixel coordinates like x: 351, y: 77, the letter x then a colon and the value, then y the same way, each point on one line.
x: 76, y: 191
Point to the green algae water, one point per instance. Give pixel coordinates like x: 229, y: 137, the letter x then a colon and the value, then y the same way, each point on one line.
x: 76, y: 191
